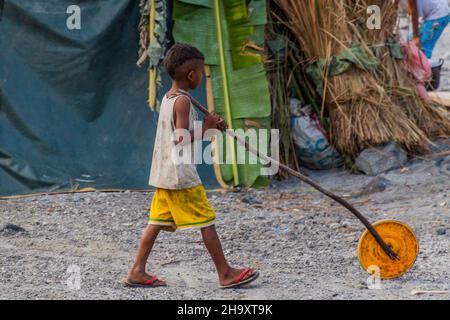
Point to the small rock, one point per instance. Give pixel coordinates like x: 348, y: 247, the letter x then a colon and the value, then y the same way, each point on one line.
x: 335, y: 225
x: 441, y: 231
x: 250, y: 200
x: 374, y: 161
x: 11, y: 229
x: 346, y: 224
x: 377, y: 184
x: 440, y: 146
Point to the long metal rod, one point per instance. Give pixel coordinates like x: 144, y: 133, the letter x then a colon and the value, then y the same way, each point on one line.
x: 312, y: 183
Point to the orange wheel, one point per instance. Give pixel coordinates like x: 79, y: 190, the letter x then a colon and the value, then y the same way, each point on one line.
x: 400, y: 238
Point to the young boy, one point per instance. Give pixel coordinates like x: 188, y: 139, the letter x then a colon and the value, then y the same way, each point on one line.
x: 180, y: 200
x: 436, y: 17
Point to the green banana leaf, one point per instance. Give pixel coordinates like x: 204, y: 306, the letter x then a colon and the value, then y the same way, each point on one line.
x: 230, y: 33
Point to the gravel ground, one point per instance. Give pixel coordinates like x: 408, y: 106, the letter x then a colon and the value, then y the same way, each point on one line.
x: 303, y: 244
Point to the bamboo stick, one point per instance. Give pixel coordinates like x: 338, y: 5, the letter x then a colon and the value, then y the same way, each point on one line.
x: 312, y: 183
x: 226, y: 93
x: 152, y: 72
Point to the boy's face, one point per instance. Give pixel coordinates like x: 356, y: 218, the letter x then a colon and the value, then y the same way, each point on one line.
x: 195, y: 76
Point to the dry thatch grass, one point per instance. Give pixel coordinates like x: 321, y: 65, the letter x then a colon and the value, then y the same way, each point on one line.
x: 366, y: 107
x: 392, y: 74
x: 277, y: 65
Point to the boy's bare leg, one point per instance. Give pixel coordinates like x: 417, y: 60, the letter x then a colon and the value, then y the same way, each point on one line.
x: 137, y: 273
x: 226, y: 273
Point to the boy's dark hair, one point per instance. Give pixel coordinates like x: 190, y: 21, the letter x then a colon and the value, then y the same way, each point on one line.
x: 177, y: 56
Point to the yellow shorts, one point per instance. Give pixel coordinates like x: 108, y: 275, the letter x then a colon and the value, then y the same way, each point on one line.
x: 181, y: 209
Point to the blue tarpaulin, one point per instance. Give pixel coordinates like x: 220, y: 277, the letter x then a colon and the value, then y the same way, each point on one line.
x: 73, y: 104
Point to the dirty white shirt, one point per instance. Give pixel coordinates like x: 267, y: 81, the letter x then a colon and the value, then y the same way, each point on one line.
x: 165, y: 172
x: 432, y: 9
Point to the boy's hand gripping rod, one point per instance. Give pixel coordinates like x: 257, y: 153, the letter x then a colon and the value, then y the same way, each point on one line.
x: 312, y: 183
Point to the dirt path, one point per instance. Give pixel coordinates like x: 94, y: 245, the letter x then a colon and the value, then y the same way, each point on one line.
x: 303, y: 244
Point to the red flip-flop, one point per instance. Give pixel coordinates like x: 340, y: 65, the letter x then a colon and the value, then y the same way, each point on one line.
x: 240, y: 279
x: 150, y: 283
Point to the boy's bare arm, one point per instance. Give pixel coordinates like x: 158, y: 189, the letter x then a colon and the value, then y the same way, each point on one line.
x: 181, y: 118
x: 181, y: 113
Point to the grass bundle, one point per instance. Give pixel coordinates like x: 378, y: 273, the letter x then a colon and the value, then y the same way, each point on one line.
x: 361, y: 111
x: 277, y: 68
x: 392, y: 73
x: 287, y: 80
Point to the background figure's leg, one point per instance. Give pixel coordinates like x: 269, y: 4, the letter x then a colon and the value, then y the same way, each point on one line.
x: 426, y: 37
x: 430, y: 33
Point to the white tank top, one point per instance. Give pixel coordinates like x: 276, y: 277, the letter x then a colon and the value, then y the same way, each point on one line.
x: 166, y: 173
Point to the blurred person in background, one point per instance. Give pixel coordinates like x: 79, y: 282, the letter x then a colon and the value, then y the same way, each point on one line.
x: 429, y: 20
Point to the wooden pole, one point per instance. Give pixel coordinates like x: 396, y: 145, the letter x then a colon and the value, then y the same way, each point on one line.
x: 388, y: 250
x: 152, y: 72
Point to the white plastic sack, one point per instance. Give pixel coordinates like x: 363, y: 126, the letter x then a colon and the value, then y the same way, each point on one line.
x: 311, y: 145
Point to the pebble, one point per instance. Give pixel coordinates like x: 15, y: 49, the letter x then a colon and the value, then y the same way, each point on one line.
x: 294, y: 251
x: 346, y: 224
x: 250, y: 200
x: 377, y: 184
x: 12, y: 229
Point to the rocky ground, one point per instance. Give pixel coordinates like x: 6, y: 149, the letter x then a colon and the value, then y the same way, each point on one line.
x: 303, y: 244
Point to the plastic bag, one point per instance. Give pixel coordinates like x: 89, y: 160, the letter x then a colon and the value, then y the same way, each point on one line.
x: 311, y: 144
